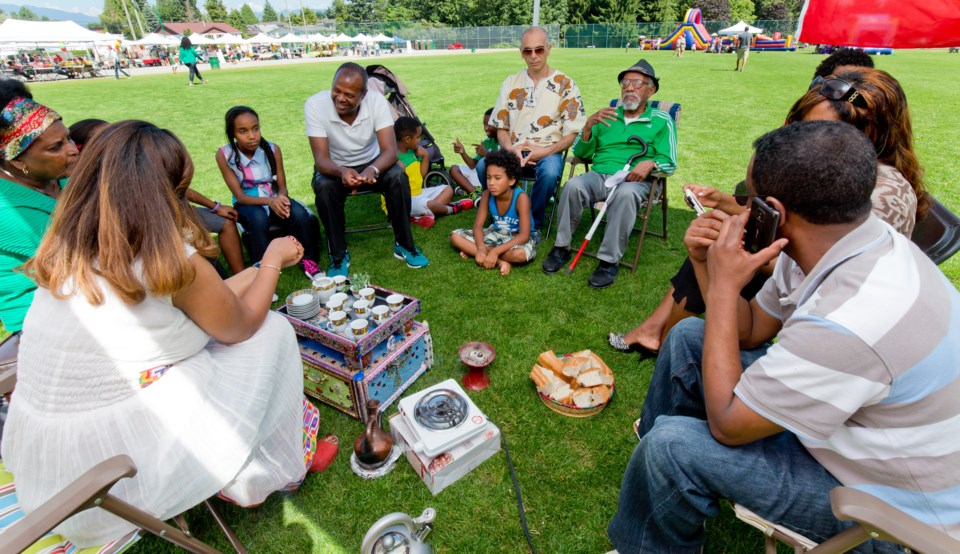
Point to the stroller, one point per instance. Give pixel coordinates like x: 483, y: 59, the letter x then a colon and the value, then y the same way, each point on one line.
x: 392, y: 88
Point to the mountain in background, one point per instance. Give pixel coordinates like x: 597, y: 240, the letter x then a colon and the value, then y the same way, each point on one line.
x: 52, y: 14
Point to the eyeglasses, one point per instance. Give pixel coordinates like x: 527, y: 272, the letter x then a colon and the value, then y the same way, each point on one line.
x: 636, y: 83
x: 527, y: 52
x: 838, y: 89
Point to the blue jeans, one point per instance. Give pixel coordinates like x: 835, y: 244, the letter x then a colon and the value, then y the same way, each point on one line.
x: 256, y: 223
x: 547, y: 175
x: 679, y: 472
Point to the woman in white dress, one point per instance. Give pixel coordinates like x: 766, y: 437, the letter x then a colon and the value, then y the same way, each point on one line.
x: 134, y: 345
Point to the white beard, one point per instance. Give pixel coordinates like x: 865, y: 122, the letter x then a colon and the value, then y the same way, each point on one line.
x: 632, y: 104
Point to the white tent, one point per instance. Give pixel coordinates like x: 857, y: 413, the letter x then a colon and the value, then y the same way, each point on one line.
x: 201, y: 40
x: 230, y: 38
x: 290, y: 37
x: 56, y: 32
x: 360, y: 38
x: 261, y: 38
x: 342, y: 38
x: 154, y: 39
x: 382, y: 38
x: 738, y: 28
x: 318, y: 37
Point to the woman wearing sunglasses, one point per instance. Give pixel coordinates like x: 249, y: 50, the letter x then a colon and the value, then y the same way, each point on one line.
x: 870, y: 100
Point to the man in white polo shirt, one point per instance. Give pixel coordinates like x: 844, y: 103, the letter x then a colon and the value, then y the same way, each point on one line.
x: 354, y: 149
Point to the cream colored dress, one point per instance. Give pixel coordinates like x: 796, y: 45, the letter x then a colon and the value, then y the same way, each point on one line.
x: 221, y: 418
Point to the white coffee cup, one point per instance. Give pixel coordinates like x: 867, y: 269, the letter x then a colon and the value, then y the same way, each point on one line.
x: 380, y: 313
x: 368, y: 294
x: 359, y: 327
x: 340, y: 283
x: 395, y: 302
x: 341, y: 296
x: 338, y: 320
x: 361, y: 309
x: 334, y: 304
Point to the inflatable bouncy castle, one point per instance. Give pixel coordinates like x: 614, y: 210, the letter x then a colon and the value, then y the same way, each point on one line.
x: 691, y: 31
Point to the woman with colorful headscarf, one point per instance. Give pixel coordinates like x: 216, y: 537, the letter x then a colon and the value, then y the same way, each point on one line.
x: 36, y: 155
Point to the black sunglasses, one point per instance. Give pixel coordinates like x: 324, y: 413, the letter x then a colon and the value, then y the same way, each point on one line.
x: 743, y: 199
x: 539, y: 50
x: 838, y: 89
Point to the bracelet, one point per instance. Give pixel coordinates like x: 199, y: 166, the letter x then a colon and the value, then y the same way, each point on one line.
x: 216, y: 206
x: 258, y: 265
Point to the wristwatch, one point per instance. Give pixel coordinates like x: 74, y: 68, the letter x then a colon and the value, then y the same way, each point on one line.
x: 376, y: 172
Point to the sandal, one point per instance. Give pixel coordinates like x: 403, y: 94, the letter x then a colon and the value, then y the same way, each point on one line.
x: 620, y: 345
x: 327, y: 449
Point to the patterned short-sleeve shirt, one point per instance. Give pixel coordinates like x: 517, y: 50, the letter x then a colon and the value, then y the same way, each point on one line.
x: 541, y: 112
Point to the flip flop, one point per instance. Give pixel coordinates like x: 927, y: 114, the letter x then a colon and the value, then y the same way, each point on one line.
x: 620, y: 345
x: 327, y: 449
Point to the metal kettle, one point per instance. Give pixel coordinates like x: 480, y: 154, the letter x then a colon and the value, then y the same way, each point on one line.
x: 398, y: 533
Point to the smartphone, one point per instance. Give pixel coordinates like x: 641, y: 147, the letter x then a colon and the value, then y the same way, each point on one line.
x: 761, y: 228
x: 693, y: 202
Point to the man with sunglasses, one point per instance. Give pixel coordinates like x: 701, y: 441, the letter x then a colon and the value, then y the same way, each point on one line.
x: 858, y: 390
x: 611, y: 138
x: 537, y: 115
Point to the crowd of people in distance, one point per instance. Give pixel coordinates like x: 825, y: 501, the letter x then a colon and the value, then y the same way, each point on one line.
x: 828, y: 357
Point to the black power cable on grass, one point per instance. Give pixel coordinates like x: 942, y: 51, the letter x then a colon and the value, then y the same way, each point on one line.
x: 516, y: 491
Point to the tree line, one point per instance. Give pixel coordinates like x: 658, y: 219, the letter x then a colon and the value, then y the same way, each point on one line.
x: 137, y: 17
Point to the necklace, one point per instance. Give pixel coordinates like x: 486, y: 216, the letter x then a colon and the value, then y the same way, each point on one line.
x: 45, y: 189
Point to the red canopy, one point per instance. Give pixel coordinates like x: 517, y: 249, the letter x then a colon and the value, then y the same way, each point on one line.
x: 881, y: 23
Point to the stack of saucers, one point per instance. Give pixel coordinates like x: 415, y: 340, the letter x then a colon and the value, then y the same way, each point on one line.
x: 303, y: 304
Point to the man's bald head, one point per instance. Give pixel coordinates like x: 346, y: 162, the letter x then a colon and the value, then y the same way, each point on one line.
x: 536, y: 33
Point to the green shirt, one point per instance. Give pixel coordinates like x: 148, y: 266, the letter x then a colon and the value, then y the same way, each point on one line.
x: 609, y: 150
x: 188, y: 55
x: 489, y: 144
x: 24, y: 217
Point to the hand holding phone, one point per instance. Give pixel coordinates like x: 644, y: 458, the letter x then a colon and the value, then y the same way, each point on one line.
x: 761, y: 228
x: 693, y: 202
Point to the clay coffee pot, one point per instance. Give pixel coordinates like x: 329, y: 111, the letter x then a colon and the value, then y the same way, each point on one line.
x: 373, y: 446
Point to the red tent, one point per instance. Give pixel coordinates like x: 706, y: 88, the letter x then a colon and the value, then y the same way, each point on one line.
x: 881, y: 23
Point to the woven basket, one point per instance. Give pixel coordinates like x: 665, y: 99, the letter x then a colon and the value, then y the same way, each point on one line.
x: 573, y: 411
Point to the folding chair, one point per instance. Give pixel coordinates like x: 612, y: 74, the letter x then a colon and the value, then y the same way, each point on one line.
x: 938, y: 234
x: 658, y: 192
x: 875, y: 519
x: 19, y: 532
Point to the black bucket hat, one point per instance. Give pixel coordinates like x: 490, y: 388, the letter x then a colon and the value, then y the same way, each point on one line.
x: 644, y: 68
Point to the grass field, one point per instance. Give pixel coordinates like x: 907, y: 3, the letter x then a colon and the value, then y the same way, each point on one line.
x: 570, y: 469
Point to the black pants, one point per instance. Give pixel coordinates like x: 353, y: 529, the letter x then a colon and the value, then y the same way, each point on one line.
x: 685, y: 286
x: 332, y: 196
x: 256, y: 223
x: 194, y: 71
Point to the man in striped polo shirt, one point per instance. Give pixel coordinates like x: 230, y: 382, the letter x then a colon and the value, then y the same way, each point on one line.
x: 859, y: 389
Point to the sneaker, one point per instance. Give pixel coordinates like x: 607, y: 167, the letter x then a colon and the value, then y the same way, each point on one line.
x: 458, y: 191
x: 536, y: 236
x: 475, y: 195
x: 556, y: 259
x: 339, y: 267
x: 461, y: 205
x: 425, y: 221
x: 415, y: 259
x: 310, y: 268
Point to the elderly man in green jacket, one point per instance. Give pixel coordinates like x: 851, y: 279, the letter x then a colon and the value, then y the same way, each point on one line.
x: 606, y: 139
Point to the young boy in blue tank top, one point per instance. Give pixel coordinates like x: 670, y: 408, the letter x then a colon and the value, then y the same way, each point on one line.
x: 507, y: 241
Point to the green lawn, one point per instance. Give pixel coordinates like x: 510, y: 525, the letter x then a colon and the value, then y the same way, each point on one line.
x: 570, y: 469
